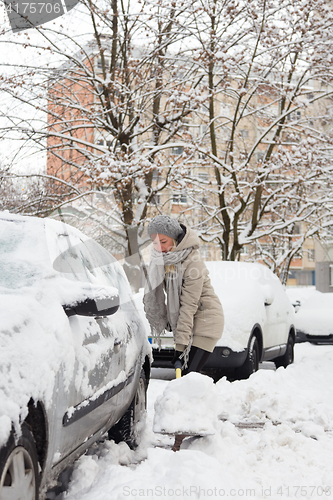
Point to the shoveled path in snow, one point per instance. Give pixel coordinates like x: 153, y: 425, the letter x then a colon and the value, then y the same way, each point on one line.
x: 274, y: 440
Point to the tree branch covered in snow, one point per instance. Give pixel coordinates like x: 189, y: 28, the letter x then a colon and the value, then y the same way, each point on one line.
x: 268, y: 75
x: 243, y: 89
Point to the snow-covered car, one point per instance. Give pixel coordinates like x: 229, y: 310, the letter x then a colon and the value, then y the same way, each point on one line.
x: 314, y: 319
x: 259, y: 321
x: 74, y: 355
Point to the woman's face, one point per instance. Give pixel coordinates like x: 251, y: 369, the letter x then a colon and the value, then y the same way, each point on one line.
x: 162, y: 243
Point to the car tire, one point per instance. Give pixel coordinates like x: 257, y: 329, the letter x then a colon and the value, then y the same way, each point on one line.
x: 130, y: 427
x: 19, y: 467
x: 288, y: 357
x: 251, y: 364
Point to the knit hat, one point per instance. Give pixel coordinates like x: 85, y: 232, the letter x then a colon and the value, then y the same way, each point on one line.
x: 163, y: 224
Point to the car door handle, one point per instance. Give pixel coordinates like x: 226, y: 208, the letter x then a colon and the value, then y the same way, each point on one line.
x: 116, y: 345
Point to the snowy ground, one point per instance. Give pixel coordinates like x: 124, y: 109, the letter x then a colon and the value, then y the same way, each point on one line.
x: 273, y: 440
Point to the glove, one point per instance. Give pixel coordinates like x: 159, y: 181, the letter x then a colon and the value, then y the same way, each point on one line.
x: 176, y: 357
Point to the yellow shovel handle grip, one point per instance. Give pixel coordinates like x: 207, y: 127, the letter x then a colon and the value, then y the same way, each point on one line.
x: 178, y: 372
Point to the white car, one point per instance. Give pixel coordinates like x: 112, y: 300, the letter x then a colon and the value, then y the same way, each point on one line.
x: 314, y: 319
x: 259, y: 321
x: 74, y: 355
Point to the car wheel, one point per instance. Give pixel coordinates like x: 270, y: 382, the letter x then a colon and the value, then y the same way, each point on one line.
x: 251, y: 364
x: 130, y: 427
x: 19, y: 468
x: 288, y: 356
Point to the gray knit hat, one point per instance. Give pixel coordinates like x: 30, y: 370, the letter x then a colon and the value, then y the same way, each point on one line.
x: 163, y: 224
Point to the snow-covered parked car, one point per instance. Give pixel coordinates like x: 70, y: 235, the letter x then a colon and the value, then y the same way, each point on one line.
x: 314, y: 319
x: 259, y: 321
x: 74, y: 355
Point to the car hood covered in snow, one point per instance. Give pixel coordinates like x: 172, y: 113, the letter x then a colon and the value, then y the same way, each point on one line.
x: 315, y: 316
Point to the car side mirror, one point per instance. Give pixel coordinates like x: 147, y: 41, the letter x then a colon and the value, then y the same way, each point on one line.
x: 96, y: 301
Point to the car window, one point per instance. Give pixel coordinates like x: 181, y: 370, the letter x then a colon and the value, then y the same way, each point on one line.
x: 70, y: 261
x: 19, y: 265
x: 82, y: 259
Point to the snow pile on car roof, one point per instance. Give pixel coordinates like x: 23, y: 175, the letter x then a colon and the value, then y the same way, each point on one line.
x: 243, y: 289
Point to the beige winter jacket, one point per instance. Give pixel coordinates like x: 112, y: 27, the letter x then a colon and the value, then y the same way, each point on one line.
x: 200, y: 308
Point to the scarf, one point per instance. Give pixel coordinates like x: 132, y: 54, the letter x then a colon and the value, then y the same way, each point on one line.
x: 159, y: 313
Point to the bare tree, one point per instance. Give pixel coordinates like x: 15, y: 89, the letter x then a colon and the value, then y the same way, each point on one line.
x: 27, y: 194
x: 113, y: 108
x: 267, y: 71
x: 243, y: 88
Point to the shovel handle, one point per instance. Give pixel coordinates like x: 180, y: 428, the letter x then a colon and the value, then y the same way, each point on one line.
x: 178, y: 368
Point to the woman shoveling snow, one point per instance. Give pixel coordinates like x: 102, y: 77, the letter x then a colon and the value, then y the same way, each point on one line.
x: 179, y: 295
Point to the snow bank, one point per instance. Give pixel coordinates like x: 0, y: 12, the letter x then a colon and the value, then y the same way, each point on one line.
x: 298, y: 396
x: 273, y: 440
x: 187, y: 406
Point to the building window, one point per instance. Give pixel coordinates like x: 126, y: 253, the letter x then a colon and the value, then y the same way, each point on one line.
x: 225, y: 110
x: 179, y: 198
x: 156, y: 199
x: 185, y: 124
x: 156, y: 175
x: 203, y: 176
x: 203, y: 129
x: 292, y: 275
x: 295, y: 115
x: 178, y: 150
x: 311, y: 254
x: 244, y: 133
x: 260, y: 156
x: 100, y: 63
x: 103, y: 142
x: 303, y: 277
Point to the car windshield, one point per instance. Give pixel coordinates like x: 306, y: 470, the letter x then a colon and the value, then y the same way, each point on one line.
x: 20, y: 254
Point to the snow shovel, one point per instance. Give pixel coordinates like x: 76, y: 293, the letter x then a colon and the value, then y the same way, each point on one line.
x: 178, y: 368
x: 179, y: 437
